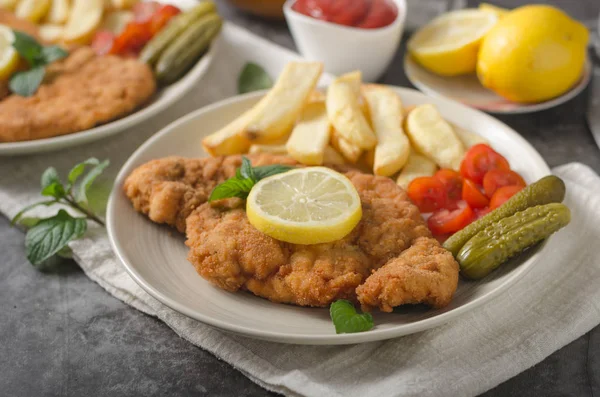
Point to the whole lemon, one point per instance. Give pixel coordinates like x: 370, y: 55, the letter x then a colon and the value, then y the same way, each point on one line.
x: 533, y: 54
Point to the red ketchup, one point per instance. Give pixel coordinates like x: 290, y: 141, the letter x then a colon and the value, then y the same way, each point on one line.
x: 365, y: 14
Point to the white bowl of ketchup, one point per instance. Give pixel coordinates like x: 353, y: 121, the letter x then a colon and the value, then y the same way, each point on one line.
x: 346, y: 38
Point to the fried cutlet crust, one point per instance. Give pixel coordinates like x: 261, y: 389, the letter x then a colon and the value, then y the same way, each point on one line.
x: 78, y: 93
x: 389, y: 259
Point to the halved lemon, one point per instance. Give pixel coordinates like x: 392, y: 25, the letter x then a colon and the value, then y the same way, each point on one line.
x: 305, y: 206
x: 499, y: 11
x: 9, y: 58
x: 448, y: 45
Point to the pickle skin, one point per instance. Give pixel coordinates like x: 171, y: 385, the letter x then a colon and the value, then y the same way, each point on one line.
x: 189, y: 46
x: 500, y: 241
x: 159, y: 43
x: 549, y: 189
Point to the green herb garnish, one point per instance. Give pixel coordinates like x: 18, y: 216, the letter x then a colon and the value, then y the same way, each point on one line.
x: 27, y: 82
x: 245, y: 178
x: 253, y: 78
x: 47, y: 237
x: 347, y: 320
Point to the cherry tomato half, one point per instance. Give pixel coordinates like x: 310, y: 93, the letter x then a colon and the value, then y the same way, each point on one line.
x: 451, y: 221
x: 495, y: 179
x: 473, y: 196
x: 453, y: 183
x: 479, y: 160
x: 427, y: 193
x: 161, y: 17
x: 503, y: 194
x: 102, y: 42
x: 481, y: 212
x: 133, y: 38
x: 144, y: 10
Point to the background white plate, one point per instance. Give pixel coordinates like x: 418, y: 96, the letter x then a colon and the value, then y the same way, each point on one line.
x: 163, y: 98
x: 469, y: 91
x: 155, y: 256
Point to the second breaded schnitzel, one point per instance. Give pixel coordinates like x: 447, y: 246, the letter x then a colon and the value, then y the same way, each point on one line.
x: 78, y: 93
x: 389, y: 259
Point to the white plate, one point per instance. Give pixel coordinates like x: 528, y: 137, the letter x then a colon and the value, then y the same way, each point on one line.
x: 162, y: 99
x: 468, y: 90
x: 155, y: 256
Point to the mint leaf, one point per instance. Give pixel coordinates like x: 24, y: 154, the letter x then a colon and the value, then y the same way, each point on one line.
x: 53, y: 53
x: 265, y: 171
x: 49, y: 176
x: 51, y: 235
x: 346, y: 320
x: 88, y: 180
x: 246, y: 170
x: 78, y: 169
x: 232, y: 187
x: 51, y: 184
x: 26, y: 83
x: 19, y: 215
x: 28, y: 48
x: 253, y: 78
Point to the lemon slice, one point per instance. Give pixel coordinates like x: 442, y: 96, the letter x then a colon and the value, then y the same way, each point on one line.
x: 448, y: 45
x: 305, y: 206
x: 9, y: 58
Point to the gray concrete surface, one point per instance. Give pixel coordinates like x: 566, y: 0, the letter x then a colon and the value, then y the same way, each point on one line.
x: 63, y: 335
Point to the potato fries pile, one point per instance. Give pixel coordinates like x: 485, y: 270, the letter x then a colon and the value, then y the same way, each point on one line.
x: 350, y: 122
x: 72, y: 21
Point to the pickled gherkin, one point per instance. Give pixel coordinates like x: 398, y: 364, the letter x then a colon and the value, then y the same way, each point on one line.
x: 508, y: 237
x: 549, y: 189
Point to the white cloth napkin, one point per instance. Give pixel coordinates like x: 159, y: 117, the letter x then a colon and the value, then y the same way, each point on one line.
x: 555, y: 303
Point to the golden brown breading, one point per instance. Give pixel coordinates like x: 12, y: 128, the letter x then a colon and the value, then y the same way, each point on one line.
x: 391, y: 248
x: 78, y: 93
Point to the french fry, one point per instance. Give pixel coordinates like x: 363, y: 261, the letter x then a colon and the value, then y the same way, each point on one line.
x: 276, y: 113
x: 32, y: 10
x: 8, y: 4
x: 311, y: 135
x: 229, y: 140
x: 115, y: 21
x: 467, y: 137
x: 331, y: 156
x: 346, y: 115
x: 51, y: 33
x: 432, y: 136
x: 59, y: 11
x: 272, y: 149
x: 123, y: 4
x: 349, y: 150
x: 416, y: 166
x: 83, y: 21
x: 316, y: 96
x: 393, y: 147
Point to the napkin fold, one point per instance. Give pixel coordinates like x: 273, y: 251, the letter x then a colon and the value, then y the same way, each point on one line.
x: 553, y: 304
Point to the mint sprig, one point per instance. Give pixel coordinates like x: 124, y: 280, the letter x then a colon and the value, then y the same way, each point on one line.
x: 253, y: 78
x: 27, y: 82
x: 47, y: 237
x: 346, y: 320
x: 245, y: 178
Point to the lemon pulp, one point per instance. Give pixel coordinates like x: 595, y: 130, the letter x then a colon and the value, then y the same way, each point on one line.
x: 305, y: 206
x: 9, y: 58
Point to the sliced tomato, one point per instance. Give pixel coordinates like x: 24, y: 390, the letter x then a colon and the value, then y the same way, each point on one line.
x: 453, y: 183
x: 161, y: 17
x: 495, y: 179
x: 131, y: 41
x: 102, y: 42
x: 479, y: 160
x: 427, y: 193
x: 451, y: 221
x: 503, y: 194
x: 381, y: 13
x: 441, y: 238
x: 481, y: 212
x: 473, y: 196
x: 144, y: 10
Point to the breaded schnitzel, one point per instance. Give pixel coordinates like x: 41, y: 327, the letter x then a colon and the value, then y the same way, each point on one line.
x: 389, y: 259
x: 78, y: 93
